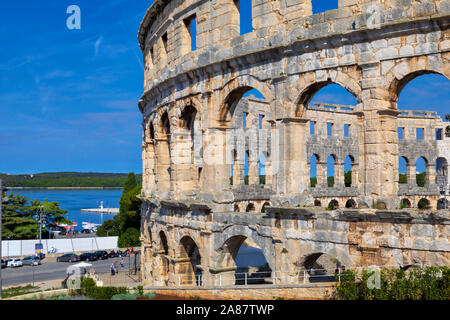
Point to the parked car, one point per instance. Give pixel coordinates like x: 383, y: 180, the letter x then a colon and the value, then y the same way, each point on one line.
x: 14, y: 263
x: 113, y: 254
x: 86, y: 231
x: 3, y: 264
x: 69, y: 257
x: 103, y: 255
x: 31, y: 260
x: 122, y: 253
x: 88, y: 256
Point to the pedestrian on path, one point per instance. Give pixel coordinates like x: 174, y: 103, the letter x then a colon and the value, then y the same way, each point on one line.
x: 113, y: 271
x: 121, y: 262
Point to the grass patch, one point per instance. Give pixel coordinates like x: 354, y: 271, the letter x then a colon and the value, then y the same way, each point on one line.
x: 18, y: 291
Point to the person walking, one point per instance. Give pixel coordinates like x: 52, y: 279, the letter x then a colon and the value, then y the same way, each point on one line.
x: 121, y: 262
x: 113, y: 271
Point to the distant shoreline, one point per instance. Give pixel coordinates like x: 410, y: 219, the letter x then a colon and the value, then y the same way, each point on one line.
x: 65, y: 188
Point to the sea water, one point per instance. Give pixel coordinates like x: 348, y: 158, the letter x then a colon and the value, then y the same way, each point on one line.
x: 74, y: 200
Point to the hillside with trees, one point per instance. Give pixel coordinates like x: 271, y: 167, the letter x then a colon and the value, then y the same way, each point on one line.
x: 67, y: 180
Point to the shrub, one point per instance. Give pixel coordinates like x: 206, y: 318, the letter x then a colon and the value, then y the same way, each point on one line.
x: 90, y: 289
x: 430, y: 283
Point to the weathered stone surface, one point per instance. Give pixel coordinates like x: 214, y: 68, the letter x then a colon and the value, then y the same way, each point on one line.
x: 202, y: 194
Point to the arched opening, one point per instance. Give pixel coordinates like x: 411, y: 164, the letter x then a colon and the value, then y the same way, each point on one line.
x: 152, y: 131
x: 421, y: 174
x: 163, y: 247
x: 317, y: 203
x: 187, y: 140
x: 405, y: 203
x: 417, y: 92
x: 262, y: 168
x: 348, y: 169
x: 245, y: 114
x: 320, y: 267
x: 246, y: 168
x: 249, y: 260
x: 331, y: 160
x: 333, y: 205
x: 163, y: 154
x: 441, y: 204
x: 189, y: 270
x: 313, y: 170
x: 319, y: 6
x: 424, y: 204
x: 164, y: 261
x: 263, y: 208
x: 350, y: 204
x: 250, y: 207
x: 441, y: 171
x: 236, y: 208
x: 402, y: 170
x: 323, y: 97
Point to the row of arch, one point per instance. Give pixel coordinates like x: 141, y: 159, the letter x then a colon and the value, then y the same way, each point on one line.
x: 422, y: 172
x: 317, y: 172
x: 187, y: 121
x: 235, y: 251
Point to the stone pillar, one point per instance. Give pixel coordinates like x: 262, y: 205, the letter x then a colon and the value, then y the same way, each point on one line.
x: 216, y: 163
x: 163, y: 177
x: 292, y: 176
x: 339, y: 174
x: 411, y: 174
x: 381, y: 149
x: 253, y: 176
x: 430, y: 174
x: 184, y: 172
x: 322, y: 180
x: 149, y: 178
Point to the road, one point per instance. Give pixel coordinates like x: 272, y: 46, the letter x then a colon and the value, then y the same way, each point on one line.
x: 54, y: 270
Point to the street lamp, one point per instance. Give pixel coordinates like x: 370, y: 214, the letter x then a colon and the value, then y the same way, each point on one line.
x: 2, y: 189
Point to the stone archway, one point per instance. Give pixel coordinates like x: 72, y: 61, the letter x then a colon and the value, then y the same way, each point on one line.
x: 189, y: 262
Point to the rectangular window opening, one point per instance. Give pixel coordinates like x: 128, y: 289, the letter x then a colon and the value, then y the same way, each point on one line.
x: 330, y: 129
x: 401, y: 133
x: 164, y: 40
x: 244, y: 8
x: 261, y: 117
x: 191, y: 27
x: 346, y: 130
x: 419, y: 133
x: 312, y: 128
x: 244, y: 119
x: 439, y: 134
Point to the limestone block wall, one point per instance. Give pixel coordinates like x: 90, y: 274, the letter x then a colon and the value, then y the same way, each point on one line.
x: 288, y: 57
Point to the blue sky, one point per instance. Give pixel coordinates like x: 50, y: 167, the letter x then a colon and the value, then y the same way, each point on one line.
x: 68, y: 98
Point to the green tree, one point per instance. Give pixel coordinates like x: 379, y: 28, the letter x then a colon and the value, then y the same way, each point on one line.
x: 109, y: 228
x: 130, y: 183
x: 129, y: 238
x: 20, y: 217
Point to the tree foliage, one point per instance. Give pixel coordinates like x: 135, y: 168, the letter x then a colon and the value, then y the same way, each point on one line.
x: 127, y: 223
x: 21, y: 216
x: 68, y: 180
x: 430, y: 283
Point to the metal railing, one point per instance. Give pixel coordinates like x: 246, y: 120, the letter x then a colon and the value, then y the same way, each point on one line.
x: 304, y: 276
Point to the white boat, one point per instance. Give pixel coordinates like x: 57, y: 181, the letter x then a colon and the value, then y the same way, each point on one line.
x: 90, y: 226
